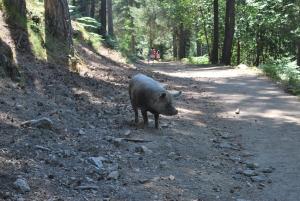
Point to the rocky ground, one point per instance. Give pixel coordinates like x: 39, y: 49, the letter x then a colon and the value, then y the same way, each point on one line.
x: 70, y: 136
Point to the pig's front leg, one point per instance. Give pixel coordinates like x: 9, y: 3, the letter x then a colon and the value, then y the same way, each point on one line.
x: 136, y: 115
x: 156, y: 116
x: 145, y: 116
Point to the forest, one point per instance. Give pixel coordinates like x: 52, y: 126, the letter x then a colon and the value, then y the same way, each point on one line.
x: 89, y: 110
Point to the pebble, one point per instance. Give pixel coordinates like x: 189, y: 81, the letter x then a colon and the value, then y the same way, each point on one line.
x: 225, y: 145
x: 249, y: 173
x: 252, y: 165
x: 19, y: 107
x: 163, y: 164
x: 143, y: 149
x: 97, y: 161
x: 267, y: 170
x: 81, y: 132
x: 235, y: 158
x: 127, y: 133
x: 113, y: 175
x: 171, y: 177
x: 258, y: 179
x: 22, y: 185
x: 226, y: 135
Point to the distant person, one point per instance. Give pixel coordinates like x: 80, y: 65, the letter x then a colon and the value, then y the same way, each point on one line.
x: 153, y: 53
x: 158, y: 55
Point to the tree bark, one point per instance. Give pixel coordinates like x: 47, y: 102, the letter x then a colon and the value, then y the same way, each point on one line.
x: 92, y: 11
x: 199, y: 47
x: 132, y: 42
x: 175, y: 43
x: 7, y: 65
x: 298, y: 53
x: 58, y: 23
x: 110, y: 18
x: 259, y: 48
x: 102, y: 15
x: 205, y: 31
x: 215, y: 46
x: 183, y: 42
x: 18, y: 7
x: 82, y: 7
x: 229, y: 32
x: 238, y: 50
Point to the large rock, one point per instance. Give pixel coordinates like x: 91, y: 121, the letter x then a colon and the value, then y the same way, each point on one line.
x: 22, y: 185
x: 7, y: 66
x: 97, y: 161
x: 43, y: 122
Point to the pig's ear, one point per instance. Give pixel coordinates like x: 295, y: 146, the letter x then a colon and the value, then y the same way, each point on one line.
x: 162, y: 95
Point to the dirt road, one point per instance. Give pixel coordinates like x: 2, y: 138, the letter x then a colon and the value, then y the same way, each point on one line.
x: 267, y: 126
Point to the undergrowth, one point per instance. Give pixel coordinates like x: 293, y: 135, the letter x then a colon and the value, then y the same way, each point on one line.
x: 286, y: 72
x: 196, y: 60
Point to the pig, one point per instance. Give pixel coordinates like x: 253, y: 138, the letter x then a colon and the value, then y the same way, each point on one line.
x: 147, y: 94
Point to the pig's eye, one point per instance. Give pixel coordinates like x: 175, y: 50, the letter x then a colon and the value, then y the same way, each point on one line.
x: 163, y: 95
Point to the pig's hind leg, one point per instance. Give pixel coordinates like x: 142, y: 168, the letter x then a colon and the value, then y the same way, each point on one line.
x: 156, y: 116
x: 136, y: 114
x: 145, y: 116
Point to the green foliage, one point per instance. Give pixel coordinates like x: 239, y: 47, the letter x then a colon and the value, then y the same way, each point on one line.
x: 90, y: 38
x: 1, y: 5
x: 89, y: 21
x: 89, y: 24
x: 111, y: 42
x: 196, y: 60
x: 286, y: 72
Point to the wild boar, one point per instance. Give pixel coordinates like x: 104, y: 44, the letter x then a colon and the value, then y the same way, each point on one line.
x: 147, y: 94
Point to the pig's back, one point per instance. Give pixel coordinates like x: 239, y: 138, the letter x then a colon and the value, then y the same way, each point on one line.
x: 143, y: 90
x: 143, y: 82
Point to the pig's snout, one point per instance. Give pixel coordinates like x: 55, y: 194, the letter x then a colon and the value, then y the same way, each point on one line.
x: 171, y: 112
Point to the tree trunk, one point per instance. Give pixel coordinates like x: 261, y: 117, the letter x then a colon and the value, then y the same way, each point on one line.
x: 175, y: 43
x: 132, y: 42
x: 199, y: 48
x: 229, y: 32
x: 110, y: 18
x: 7, y: 65
x: 215, y: 46
x: 298, y: 53
x: 102, y: 15
x: 205, y: 31
x: 82, y: 7
x: 92, y: 10
x: 17, y: 8
x: 88, y: 8
x: 58, y: 23
x: 183, y: 42
x: 238, y: 50
x: 259, y: 48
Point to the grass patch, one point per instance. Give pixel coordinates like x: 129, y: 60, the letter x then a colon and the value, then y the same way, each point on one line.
x: 284, y: 71
x: 196, y: 60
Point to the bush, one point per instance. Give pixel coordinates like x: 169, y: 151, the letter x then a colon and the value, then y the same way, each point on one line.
x: 284, y: 71
x: 111, y: 42
x: 196, y: 60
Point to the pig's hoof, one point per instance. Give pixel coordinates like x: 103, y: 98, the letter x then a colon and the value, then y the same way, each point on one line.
x: 140, y: 125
